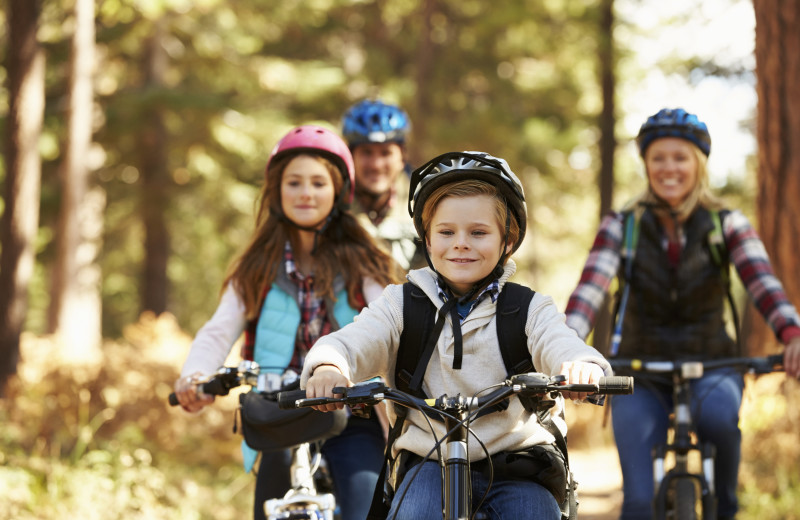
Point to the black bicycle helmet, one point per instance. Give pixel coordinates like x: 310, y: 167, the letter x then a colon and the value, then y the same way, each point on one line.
x: 372, y: 121
x: 457, y: 166
x: 677, y: 122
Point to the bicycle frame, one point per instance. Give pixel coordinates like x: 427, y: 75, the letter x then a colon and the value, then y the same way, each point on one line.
x: 301, y: 501
x: 675, y: 489
x: 457, y: 411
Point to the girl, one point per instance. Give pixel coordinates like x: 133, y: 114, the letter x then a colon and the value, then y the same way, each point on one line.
x: 308, y: 269
x: 469, y: 210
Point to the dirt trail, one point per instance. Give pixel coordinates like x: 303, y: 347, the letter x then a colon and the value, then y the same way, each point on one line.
x: 599, y: 482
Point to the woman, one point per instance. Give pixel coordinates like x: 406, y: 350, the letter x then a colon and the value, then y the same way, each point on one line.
x: 676, y: 295
x: 308, y: 270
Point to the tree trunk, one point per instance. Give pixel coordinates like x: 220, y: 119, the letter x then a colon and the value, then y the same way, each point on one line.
x: 155, y: 182
x: 75, y: 308
x: 608, y: 145
x: 25, y: 66
x: 424, y: 94
x: 778, y: 87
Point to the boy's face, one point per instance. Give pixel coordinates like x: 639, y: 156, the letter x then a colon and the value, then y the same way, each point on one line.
x: 464, y: 240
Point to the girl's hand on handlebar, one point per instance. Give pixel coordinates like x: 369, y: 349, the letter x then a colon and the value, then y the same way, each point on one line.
x: 791, y: 358
x: 188, y: 397
x: 580, y: 372
x: 321, y: 384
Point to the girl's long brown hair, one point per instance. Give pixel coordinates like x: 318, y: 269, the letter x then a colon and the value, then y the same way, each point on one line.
x: 345, y: 247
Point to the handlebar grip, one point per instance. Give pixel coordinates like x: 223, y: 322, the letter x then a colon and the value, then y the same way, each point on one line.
x: 287, y: 399
x: 775, y: 359
x: 173, y: 399
x: 216, y: 386
x: 616, y: 385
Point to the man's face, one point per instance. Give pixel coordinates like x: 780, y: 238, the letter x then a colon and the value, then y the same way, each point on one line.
x: 377, y: 166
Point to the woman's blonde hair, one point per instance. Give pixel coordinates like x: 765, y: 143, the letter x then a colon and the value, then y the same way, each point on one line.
x: 471, y: 188
x: 701, y: 194
x: 344, y: 247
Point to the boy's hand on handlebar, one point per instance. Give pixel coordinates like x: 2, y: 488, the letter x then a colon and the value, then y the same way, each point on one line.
x: 580, y: 372
x: 791, y: 358
x: 321, y: 384
x: 188, y: 397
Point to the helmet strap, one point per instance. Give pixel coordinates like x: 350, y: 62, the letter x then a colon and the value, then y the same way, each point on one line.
x: 318, y: 231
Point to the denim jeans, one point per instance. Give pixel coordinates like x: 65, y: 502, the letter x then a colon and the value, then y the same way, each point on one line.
x: 420, y: 497
x: 354, y: 458
x: 641, y: 420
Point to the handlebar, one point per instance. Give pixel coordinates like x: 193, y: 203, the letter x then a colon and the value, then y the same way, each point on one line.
x: 694, y: 369
x: 533, y: 383
x: 226, y: 379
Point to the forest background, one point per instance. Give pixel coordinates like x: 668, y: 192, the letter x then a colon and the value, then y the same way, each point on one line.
x: 135, y: 137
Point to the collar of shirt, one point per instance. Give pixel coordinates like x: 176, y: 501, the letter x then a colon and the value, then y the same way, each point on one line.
x: 314, y: 321
x: 291, y: 267
x: 493, y: 289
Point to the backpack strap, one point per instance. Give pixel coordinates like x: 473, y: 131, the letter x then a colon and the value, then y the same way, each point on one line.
x: 718, y: 250
x: 630, y: 241
x: 512, y: 316
x: 418, y: 338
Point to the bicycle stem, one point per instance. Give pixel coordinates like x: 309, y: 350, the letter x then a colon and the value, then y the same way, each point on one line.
x: 458, y: 492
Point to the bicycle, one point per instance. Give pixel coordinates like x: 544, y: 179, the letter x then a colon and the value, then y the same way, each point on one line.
x: 458, y: 411
x: 676, y: 490
x: 305, y: 500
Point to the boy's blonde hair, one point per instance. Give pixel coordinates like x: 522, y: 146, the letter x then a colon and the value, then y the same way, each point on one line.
x: 472, y: 188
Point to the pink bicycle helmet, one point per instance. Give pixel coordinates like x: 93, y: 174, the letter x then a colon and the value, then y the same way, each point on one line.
x: 316, y: 139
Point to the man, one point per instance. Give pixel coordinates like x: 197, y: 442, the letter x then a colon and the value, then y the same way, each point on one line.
x: 376, y: 134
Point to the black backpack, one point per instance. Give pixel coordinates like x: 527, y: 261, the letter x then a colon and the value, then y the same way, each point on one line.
x: 416, y: 348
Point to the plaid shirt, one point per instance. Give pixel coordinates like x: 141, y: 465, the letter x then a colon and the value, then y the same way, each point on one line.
x: 747, y: 253
x: 314, y: 321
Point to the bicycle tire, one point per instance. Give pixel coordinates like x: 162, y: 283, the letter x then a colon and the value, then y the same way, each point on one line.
x: 684, y: 498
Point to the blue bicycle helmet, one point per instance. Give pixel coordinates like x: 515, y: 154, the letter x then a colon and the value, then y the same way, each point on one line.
x: 374, y: 122
x: 675, y: 122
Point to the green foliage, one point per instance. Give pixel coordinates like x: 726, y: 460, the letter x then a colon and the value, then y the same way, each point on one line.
x: 517, y: 79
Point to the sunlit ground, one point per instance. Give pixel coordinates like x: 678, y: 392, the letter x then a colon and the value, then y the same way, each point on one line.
x: 101, y: 443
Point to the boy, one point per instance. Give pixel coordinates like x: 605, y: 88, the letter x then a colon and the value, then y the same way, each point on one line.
x: 469, y: 210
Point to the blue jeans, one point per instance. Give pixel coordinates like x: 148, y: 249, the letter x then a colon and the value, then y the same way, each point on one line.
x: 354, y: 458
x: 517, y: 499
x: 641, y: 420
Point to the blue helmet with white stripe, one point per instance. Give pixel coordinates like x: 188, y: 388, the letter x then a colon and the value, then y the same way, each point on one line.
x: 677, y: 122
x: 371, y: 121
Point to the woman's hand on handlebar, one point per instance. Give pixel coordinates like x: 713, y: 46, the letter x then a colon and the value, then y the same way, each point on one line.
x: 791, y: 358
x: 580, y: 372
x: 321, y: 384
x: 188, y: 396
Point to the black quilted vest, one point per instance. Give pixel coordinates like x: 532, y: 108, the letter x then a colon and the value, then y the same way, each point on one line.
x: 675, y: 312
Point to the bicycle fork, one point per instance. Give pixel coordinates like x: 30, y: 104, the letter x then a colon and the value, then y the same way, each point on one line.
x: 302, y: 501
x: 458, y: 488
x: 682, y: 446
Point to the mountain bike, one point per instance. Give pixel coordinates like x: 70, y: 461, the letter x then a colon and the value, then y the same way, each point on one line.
x: 681, y: 493
x: 458, y: 411
x: 305, y: 500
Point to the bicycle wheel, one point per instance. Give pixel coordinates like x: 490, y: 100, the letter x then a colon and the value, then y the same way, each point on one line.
x: 682, y: 500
